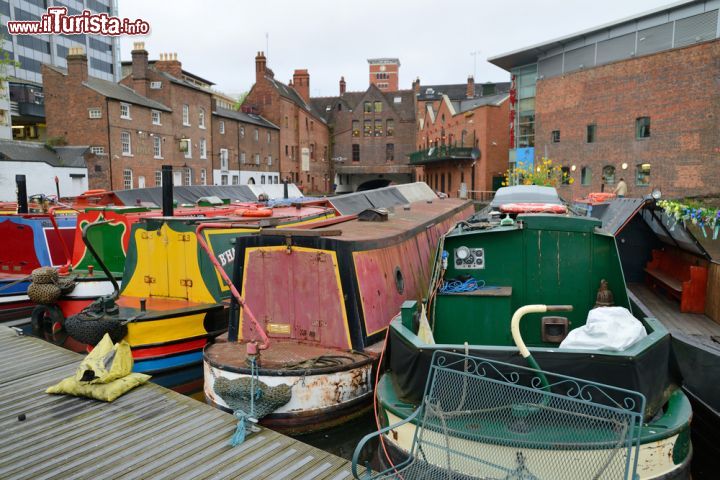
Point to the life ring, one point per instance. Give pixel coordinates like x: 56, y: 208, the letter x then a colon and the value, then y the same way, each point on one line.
x: 257, y: 212
x: 533, y: 208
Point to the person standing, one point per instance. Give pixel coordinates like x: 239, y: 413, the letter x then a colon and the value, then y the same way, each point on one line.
x: 621, y: 189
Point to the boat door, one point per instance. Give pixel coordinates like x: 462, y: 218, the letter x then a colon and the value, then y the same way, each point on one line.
x: 296, y: 294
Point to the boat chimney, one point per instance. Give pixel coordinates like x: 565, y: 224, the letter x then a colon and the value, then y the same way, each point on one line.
x: 22, y: 202
x: 167, y: 191
x: 285, y: 189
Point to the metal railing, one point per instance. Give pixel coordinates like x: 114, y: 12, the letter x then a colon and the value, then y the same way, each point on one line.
x: 442, y: 152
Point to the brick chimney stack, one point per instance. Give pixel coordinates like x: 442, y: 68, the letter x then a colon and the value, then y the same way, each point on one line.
x: 471, y: 87
x: 77, y: 64
x: 139, y: 67
x: 301, y: 83
x: 169, y: 63
x: 260, y: 66
x: 416, y: 86
x: 342, y: 85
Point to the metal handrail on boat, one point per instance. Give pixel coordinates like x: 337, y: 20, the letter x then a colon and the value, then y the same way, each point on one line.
x: 51, y: 213
x: 203, y: 244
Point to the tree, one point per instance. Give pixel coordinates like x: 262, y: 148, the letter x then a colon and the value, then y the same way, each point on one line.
x: 545, y: 173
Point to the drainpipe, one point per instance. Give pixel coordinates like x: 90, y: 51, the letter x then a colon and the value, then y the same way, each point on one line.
x: 232, y: 329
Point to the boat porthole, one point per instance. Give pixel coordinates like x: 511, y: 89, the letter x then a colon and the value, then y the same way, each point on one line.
x: 399, y: 280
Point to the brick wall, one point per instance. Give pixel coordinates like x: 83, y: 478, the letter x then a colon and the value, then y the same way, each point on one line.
x: 677, y: 89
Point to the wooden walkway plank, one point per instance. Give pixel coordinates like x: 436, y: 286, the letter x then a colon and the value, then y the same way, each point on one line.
x: 150, y: 432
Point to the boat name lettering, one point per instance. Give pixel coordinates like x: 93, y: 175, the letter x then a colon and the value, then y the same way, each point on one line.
x: 227, y: 256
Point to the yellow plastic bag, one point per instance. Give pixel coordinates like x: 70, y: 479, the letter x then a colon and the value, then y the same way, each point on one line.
x: 107, y: 362
x: 104, y: 374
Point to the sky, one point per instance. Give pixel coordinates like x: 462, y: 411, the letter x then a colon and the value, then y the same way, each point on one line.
x: 434, y: 40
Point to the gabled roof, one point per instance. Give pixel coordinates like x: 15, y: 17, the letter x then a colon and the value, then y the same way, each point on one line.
x: 466, y: 105
x: 18, y: 151
x: 291, y: 94
x: 405, y: 107
x: 116, y: 91
x: 245, y: 117
x: 457, y: 91
x: 128, y: 63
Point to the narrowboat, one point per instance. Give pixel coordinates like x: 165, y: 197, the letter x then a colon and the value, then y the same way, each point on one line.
x: 30, y: 241
x: 316, y: 303
x: 491, y: 270
x: 171, y: 301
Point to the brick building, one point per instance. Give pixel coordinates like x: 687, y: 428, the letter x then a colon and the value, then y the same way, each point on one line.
x: 304, y: 136
x: 373, y: 132
x: 461, y: 136
x: 385, y: 73
x: 636, y: 99
x: 245, y: 148
x: 129, y: 133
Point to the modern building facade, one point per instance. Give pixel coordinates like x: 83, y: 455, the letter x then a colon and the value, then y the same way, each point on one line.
x: 25, y: 89
x: 462, y: 139
x: 635, y: 99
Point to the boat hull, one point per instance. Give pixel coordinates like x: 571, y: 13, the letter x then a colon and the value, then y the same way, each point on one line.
x: 321, y: 397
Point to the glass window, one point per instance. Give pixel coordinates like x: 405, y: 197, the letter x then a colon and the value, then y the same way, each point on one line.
x: 203, y: 177
x: 186, y: 115
x: 565, y: 175
x: 608, y: 174
x: 155, y: 117
x: 242, y: 132
x: 590, y: 137
x: 378, y: 107
x: 390, y: 127
x: 223, y: 180
x: 269, y: 137
x: 222, y: 127
x: 94, y: 113
x: 378, y: 128
x: 157, y: 147
x: 125, y: 143
x: 585, y: 176
x: 235, y: 180
x: 127, y: 179
x: 224, y: 158
x: 555, y: 136
x: 188, y: 151
x: 256, y: 135
x: 203, y: 148
x: 642, y: 127
x: 242, y: 158
x: 389, y: 152
x: 642, y: 174
x: 356, y: 152
x: 367, y: 128
x: 125, y: 110
x: 188, y: 176
x: 355, y: 128
x: 158, y: 178
x: 257, y: 159
x: 368, y: 107
x: 201, y: 118
x: 262, y: 179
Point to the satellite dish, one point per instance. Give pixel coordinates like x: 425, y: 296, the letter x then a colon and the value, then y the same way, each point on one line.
x: 475, y: 153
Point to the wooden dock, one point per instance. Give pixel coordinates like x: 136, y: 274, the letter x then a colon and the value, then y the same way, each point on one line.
x: 150, y: 432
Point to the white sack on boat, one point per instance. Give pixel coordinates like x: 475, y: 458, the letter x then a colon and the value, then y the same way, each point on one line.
x: 607, y: 328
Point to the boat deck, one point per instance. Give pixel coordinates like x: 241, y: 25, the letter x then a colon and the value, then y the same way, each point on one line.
x: 668, y: 312
x: 150, y: 432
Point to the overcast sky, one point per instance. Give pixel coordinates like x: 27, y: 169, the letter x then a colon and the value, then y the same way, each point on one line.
x: 218, y: 39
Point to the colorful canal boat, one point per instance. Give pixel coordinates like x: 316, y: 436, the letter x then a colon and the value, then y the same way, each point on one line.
x: 320, y: 299
x: 30, y: 241
x: 172, y: 301
x: 488, y: 268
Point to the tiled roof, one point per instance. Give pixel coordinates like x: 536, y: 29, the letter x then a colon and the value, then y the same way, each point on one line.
x: 458, y: 91
x: 351, y: 100
x: 116, y: 91
x: 14, y: 150
x: 292, y: 95
x: 466, y: 105
x: 245, y: 117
